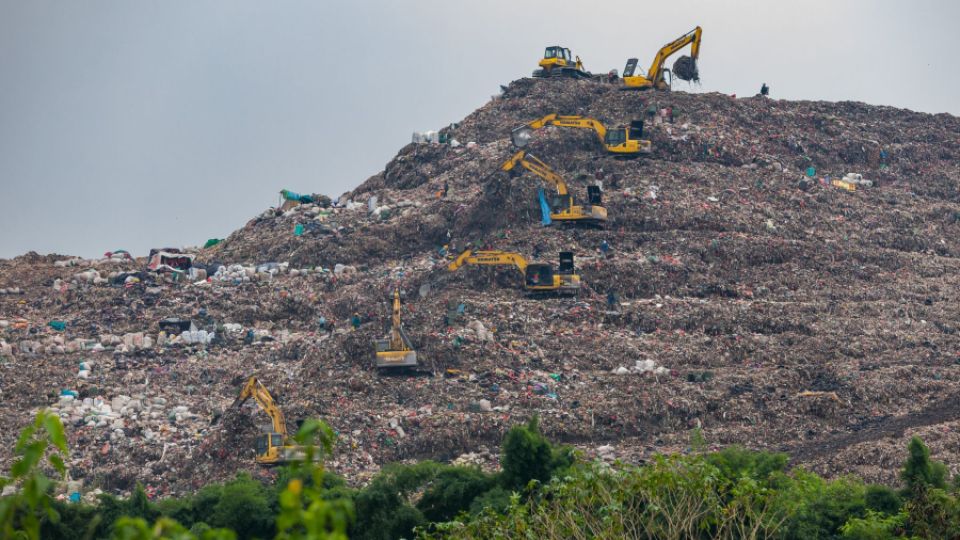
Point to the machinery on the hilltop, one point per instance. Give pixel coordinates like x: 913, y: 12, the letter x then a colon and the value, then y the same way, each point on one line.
x: 622, y: 141
x: 562, y: 208
x: 657, y: 76
x: 538, y: 278
x: 395, y: 351
x: 272, y: 448
x: 559, y: 62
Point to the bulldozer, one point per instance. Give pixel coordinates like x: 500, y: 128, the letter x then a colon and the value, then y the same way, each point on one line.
x: 563, y: 208
x: 395, y: 351
x: 622, y: 141
x: 660, y: 78
x: 273, y: 448
x: 559, y: 62
x: 538, y: 278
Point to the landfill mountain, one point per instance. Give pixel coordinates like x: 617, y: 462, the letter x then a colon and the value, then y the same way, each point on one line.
x: 743, y: 293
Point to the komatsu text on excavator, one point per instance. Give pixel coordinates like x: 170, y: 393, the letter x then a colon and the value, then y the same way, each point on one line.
x: 657, y: 76
x: 272, y: 448
x: 538, y: 278
x: 625, y: 141
x: 395, y: 351
x: 558, y: 62
x: 563, y: 208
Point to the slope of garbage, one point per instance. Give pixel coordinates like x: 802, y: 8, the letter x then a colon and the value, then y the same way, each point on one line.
x: 781, y: 275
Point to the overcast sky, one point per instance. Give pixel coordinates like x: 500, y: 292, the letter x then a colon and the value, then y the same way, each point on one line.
x: 131, y: 124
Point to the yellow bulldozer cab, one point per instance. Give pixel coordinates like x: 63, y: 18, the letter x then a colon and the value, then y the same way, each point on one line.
x: 556, y: 56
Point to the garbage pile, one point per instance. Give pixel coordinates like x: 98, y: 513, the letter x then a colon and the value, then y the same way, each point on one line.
x: 736, y: 283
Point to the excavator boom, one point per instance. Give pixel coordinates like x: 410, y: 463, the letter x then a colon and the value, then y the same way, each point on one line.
x: 563, y: 210
x: 271, y: 448
x: 489, y: 257
x: 538, y: 278
x: 255, y: 389
x: 396, y: 351
x: 655, y: 75
x: 621, y: 141
x: 538, y: 167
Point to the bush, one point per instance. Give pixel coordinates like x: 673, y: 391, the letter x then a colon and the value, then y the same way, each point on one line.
x: 919, y: 470
x: 527, y: 455
x: 452, y: 491
x: 736, y: 462
x: 244, y: 508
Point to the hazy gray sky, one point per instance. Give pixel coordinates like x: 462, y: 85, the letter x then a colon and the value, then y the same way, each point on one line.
x: 130, y: 124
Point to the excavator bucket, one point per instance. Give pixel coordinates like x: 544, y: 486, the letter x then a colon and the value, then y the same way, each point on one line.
x: 685, y: 68
x: 521, y: 136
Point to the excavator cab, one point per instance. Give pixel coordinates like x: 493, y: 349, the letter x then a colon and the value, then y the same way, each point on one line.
x: 566, y: 262
x: 268, y: 447
x: 630, y: 68
x: 539, y: 275
x: 627, y: 139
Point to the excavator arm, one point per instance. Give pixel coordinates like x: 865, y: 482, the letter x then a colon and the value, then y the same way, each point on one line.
x: 620, y: 140
x: 494, y: 258
x: 537, y: 167
x: 255, y: 389
x: 690, y: 38
x: 396, y: 335
x: 566, y: 121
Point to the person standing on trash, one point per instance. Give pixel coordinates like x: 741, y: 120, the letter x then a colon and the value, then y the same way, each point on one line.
x: 764, y: 90
x: 605, y: 248
x: 322, y: 323
x: 355, y: 321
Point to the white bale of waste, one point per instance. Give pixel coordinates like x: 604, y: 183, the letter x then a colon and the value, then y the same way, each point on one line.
x: 5, y: 348
x: 87, y: 276
x: 621, y: 371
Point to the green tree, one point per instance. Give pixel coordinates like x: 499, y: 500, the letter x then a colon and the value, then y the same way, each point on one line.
x: 452, y: 491
x: 920, y: 470
x: 243, y: 507
x: 528, y: 455
x: 21, y: 514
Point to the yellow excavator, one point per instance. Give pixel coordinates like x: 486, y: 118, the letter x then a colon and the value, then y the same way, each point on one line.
x: 395, y: 351
x: 558, y: 62
x: 272, y: 448
x: 563, y: 208
x: 657, y: 76
x: 622, y: 141
x: 538, y: 278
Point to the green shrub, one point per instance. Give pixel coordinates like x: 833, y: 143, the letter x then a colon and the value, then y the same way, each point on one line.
x: 452, y: 491
x: 528, y: 455
x: 244, y: 508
